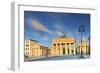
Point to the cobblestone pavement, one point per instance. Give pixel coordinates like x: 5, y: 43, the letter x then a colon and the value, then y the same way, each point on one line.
x: 64, y: 57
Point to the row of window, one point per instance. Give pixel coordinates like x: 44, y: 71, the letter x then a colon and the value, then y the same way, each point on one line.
x: 27, y: 53
x: 26, y: 41
x: 32, y: 48
x: 26, y: 48
x: 27, y: 45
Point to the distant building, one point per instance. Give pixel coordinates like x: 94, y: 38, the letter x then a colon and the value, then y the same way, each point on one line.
x: 84, y: 48
x: 32, y: 48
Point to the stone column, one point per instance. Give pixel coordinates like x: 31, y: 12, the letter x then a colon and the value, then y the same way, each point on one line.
x: 38, y: 51
x: 53, y: 49
x: 74, y: 50
x: 60, y: 49
x: 56, y: 49
x: 70, y: 49
x: 66, y: 50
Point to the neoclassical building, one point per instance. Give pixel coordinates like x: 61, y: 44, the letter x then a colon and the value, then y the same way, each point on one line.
x: 63, y: 46
x: 59, y: 46
x: 83, y: 48
x: 32, y: 48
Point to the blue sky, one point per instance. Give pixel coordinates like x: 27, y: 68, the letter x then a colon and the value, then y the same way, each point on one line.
x: 44, y: 26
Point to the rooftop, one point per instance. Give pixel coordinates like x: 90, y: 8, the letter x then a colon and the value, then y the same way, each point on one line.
x: 32, y: 40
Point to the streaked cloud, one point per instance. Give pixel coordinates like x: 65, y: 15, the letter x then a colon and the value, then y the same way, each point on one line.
x: 38, y: 25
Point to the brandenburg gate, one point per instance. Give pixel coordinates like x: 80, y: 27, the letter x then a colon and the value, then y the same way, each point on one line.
x: 63, y: 46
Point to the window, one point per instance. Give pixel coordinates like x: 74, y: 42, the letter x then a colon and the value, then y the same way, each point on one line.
x: 27, y: 45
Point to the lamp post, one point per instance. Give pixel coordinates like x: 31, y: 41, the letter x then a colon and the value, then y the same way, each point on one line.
x: 89, y: 45
x: 81, y: 30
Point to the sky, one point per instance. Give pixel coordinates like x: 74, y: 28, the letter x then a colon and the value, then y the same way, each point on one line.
x: 44, y: 26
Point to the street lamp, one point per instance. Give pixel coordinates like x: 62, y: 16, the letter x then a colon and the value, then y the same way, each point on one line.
x: 89, y: 45
x: 81, y: 30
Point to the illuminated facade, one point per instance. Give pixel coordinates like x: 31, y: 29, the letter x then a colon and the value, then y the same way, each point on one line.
x: 59, y: 46
x: 32, y: 48
x: 84, y: 48
x: 63, y: 46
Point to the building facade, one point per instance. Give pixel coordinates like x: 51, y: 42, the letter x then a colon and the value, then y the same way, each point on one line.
x: 59, y: 46
x: 63, y: 46
x: 32, y: 48
x: 83, y: 48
